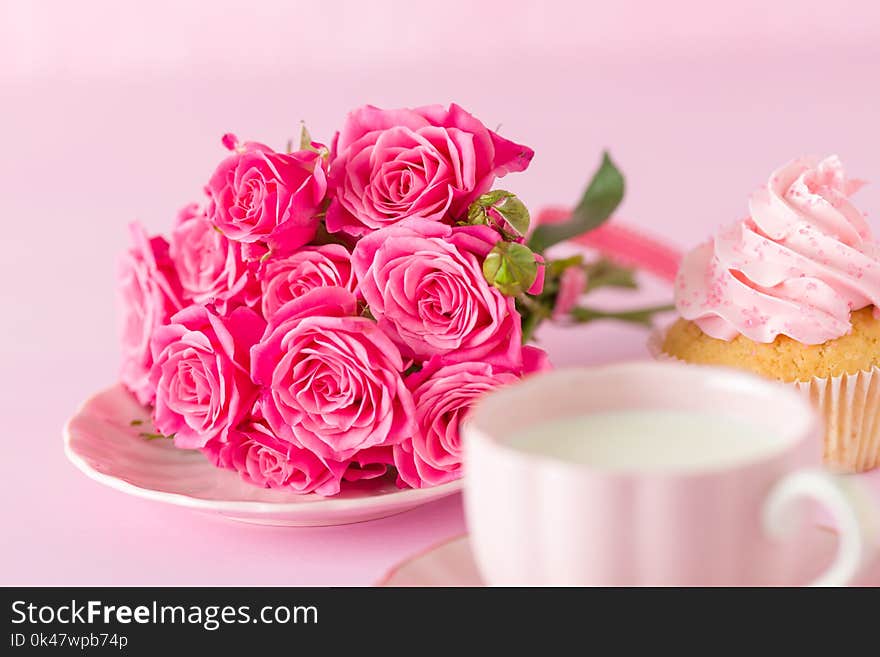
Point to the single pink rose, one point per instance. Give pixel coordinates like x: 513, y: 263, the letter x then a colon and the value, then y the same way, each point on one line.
x: 432, y: 162
x: 370, y: 463
x: 312, y: 267
x: 200, y: 373
x: 443, y: 394
x: 210, y: 266
x: 331, y: 380
x: 423, y: 282
x: 261, y: 197
x: 262, y: 459
x: 572, y: 284
x: 149, y: 294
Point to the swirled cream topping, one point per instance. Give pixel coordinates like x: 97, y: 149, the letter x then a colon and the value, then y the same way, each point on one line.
x: 798, y: 266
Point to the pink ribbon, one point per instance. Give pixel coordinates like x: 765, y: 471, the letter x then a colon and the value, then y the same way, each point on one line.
x: 624, y: 244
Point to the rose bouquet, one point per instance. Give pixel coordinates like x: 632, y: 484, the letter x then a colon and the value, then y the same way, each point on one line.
x: 329, y: 314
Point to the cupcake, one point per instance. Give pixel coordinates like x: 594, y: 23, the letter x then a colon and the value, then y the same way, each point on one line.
x: 791, y: 293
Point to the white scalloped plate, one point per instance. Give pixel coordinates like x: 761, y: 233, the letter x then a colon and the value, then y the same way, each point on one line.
x: 101, y: 441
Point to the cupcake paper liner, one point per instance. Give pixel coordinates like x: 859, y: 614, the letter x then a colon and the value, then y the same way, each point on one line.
x: 849, y: 405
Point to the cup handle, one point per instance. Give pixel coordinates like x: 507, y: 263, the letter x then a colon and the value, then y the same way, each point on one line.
x: 851, y: 507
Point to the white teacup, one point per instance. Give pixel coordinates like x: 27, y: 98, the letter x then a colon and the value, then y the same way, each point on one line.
x: 653, y: 474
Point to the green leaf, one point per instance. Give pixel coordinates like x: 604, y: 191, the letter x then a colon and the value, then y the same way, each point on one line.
x: 515, y: 213
x: 641, y: 316
x: 556, y: 267
x: 136, y: 423
x: 511, y: 268
x: 529, y: 324
x: 603, y: 195
x: 533, y: 312
x: 605, y: 273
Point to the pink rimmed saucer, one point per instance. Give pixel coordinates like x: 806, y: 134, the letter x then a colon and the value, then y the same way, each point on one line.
x: 104, y: 439
x: 451, y: 563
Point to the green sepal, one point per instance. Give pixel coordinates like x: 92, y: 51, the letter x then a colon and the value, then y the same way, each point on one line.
x: 511, y: 268
x: 512, y: 212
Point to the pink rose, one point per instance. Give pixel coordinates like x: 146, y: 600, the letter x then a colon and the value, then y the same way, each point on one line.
x: 572, y: 284
x: 443, y: 394
x: 285, y: 279
x: 423, y: 282
x: 331, y: 380
x: 200, y: 373
x: 264, y: 460
x: 149, y: 293
x: 430, y: 162
x: 370, y: 463
x: 260, y: 196
x: 210, y: 266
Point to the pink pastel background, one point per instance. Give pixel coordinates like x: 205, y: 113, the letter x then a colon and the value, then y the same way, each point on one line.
x: 111, y: 111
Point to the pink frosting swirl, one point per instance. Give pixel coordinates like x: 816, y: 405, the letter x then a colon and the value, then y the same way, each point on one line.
x: 798, y: 266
